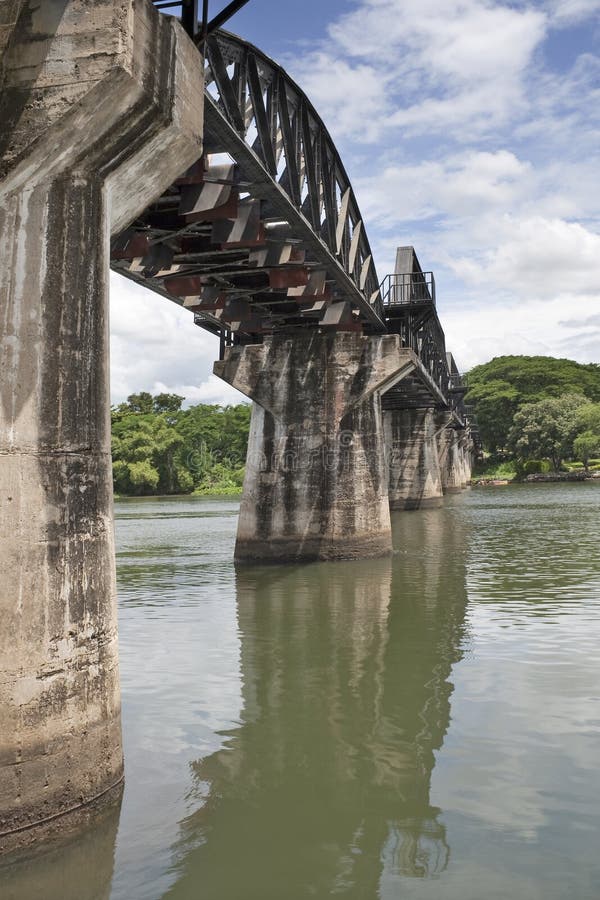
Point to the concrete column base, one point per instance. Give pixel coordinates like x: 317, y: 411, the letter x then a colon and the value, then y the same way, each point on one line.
x: 298, y: 549
x: 316, y: 484
x: 415, y: 480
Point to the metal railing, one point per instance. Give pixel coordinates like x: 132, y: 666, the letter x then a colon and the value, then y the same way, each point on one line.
x: 457, y: 383
x: 402, y: 289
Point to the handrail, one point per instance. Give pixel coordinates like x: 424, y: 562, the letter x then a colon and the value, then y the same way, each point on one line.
x: 408, y: 287
x: 458, y: 382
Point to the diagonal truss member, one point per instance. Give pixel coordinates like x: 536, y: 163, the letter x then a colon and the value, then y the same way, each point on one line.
x: 264, y: 232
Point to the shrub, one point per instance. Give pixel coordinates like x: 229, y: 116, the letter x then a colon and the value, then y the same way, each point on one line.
x: 533, y: 467
x: 488, y: 469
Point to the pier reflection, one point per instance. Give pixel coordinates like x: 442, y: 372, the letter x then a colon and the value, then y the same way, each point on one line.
x: 80, y: 868
x: 324, y: 788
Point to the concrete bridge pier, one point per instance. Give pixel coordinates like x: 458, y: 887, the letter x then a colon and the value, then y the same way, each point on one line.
x: 450, y: 454
x: 101, y: 107
x: 464, y: 457
x: 316, y: 484
x: 469, y: 456
x: 415, y: 478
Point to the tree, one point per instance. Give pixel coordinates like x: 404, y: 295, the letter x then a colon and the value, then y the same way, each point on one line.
x: 168, y: 405
x: 214, y: 435
x: 160, y: 448
x: 538, y: 377
x: 588, y: 418
x: 546, y: 429
x: 495, y: 403
x: 499, y: 388
x: 144, y: 456
x: 138, y: 403
x: 587, y: 443
x: 585, y: 446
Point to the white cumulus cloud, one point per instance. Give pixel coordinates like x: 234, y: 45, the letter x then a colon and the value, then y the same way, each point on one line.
x: 156, y: 347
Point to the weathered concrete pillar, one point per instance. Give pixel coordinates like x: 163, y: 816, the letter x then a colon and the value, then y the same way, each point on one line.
x: 471, y: 457
x: 460, y: 460
x: 452, y: 472
x: 463, y: 458
x: 412, y: 451
x: 316, y: 484
x: 467, y: 455
x: 101, y: 109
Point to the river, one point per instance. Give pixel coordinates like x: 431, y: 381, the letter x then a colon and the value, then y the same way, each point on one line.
x: 426, y: 726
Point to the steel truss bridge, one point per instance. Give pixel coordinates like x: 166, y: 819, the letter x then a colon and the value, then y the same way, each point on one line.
x: 263, y: 233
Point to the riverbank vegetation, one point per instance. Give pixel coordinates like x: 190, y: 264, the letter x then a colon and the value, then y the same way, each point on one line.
x: 536, y: 414
x: 160, y: 448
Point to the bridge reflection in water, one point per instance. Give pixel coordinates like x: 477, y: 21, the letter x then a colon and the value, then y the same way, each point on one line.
x: 325, y: 785
x: 80, y: 868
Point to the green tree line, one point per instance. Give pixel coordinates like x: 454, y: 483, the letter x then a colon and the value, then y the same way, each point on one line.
x: 536, y: 409
x: 160, y: 448
x: 532, y: 411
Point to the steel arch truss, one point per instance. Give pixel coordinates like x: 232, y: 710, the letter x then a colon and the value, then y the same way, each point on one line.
x: 280, y: 142
x: 263, y: 233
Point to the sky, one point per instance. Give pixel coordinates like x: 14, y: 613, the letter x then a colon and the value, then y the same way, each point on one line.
x: 469, y: 129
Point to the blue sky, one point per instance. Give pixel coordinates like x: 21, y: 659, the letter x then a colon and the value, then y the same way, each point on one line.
x: 469, y: 129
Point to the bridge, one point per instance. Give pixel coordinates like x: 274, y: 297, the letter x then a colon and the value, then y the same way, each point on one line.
x: 223, y: 192
x: 263, y: 241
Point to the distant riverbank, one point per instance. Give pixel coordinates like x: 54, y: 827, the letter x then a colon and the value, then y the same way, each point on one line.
x: 542, y: 478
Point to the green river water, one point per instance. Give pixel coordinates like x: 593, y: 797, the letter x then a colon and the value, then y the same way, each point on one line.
x: 426, y: 726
